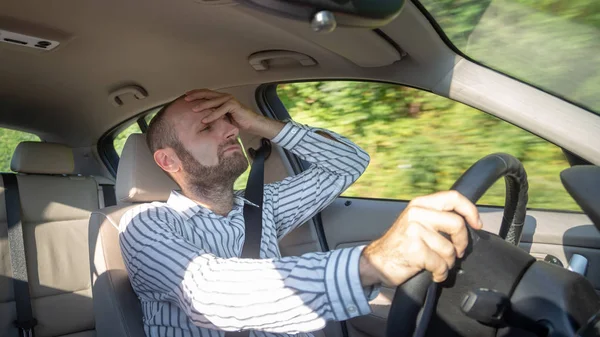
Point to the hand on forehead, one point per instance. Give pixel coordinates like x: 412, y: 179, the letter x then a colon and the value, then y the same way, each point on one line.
x: 182, y: 113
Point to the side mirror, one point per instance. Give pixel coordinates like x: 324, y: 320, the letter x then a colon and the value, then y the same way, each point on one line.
x: 325, y: 15
x: 582, y: 183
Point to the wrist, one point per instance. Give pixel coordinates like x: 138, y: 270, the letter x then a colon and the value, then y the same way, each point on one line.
x: 265, y: 127
x: 368, y: 272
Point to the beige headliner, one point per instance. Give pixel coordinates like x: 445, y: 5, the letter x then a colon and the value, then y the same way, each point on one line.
x: 172, y: 46
x: 167, y: 47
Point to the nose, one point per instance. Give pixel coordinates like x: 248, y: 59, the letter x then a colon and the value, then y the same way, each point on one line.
x: 229, y: 130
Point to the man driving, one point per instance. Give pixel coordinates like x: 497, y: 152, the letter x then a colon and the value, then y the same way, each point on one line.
x: 183, y: 256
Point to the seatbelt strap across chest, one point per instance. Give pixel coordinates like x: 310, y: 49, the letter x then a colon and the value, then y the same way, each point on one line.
x: 253, y: 214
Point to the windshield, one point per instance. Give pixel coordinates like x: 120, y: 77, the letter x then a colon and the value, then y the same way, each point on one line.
x: 551, y: 44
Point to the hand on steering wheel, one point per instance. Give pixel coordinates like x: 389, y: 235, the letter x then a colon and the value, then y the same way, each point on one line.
x: 415, y: 243
x: 416, y: 301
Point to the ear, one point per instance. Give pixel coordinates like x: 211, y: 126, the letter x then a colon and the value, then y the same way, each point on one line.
x: 167, y: 160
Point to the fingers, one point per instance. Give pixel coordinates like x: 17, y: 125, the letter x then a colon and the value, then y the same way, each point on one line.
x: 449, y: 201
x: 437, y: 266
x: 439, y: 245
x: 429, y: 260
x: 197, y: 94
x: 219, y: 112
x: 446, y: 222
x: 211, y: 103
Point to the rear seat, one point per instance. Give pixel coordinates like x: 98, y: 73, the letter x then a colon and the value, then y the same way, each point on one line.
x: 55, y: 210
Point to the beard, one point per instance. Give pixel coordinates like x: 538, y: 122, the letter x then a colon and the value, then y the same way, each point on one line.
x: 209, y: 178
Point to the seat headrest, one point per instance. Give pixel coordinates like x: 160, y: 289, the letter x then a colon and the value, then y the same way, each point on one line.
x: 43, y: 158
x: 139, y: 178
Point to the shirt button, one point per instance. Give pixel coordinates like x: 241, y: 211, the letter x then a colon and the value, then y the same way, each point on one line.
x: 351, y: 309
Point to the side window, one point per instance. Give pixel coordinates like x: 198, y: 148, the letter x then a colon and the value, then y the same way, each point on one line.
x: 421, y: 143
x: 9, y: 139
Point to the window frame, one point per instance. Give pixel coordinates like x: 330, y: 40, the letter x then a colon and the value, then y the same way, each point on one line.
x: 269, y: 103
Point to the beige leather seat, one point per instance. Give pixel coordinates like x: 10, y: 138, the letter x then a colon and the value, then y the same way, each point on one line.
x: 55, y: 211
x: 139, y: 180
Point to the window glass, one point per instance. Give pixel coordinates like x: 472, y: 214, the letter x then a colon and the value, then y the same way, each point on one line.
x: 552, y: 44
x: 421, y: 143
x: 9, y: 139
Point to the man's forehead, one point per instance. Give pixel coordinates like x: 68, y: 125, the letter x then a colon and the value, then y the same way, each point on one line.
x: 181, y: 110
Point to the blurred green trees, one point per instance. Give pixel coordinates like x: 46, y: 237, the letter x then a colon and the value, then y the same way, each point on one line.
x: 420, y: 142
x: 552, y: 44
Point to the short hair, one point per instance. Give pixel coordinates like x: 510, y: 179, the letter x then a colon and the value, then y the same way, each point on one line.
x: 160, y: 133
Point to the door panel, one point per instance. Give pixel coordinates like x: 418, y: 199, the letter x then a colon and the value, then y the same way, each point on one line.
x: 350, y: 222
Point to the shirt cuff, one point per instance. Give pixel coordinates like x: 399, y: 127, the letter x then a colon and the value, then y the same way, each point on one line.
x: 291, y: 134
x: 342, y: 281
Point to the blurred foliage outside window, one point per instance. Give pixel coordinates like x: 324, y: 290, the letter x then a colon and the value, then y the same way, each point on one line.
x: 552, y: 44
x: 421, y: 143
x: 9, y: 139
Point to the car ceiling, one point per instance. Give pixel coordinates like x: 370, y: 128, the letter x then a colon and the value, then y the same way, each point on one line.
x: 170, y: 47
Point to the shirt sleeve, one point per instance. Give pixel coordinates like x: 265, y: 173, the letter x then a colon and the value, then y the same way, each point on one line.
x: 284, y: 295
x: 335, y: 165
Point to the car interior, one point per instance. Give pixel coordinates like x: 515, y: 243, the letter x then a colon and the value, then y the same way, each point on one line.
x: 84, y: 78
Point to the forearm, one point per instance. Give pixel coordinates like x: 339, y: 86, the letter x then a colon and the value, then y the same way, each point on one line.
x: 324, y: 148
x: 265, y: 127
x: 288, y: 295
x: 336, y: 163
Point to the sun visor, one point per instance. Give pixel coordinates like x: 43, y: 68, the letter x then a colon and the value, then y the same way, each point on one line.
x: 362, y: 46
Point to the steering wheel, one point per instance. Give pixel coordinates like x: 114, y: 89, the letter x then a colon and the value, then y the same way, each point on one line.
x: 421, y: 307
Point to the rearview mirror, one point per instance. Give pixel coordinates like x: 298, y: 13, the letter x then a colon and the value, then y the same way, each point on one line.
x: 325, y: 15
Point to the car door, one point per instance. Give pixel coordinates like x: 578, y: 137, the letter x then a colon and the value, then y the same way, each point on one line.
x: 420, y: 143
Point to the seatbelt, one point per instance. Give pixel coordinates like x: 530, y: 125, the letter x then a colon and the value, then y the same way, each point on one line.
x: 108, y: 193
x: 253, y: 214
x: 25, y: 321
x: 254, y: 194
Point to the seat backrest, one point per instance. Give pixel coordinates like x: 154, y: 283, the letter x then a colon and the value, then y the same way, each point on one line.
x: 55, y: 210
x: 139, y: 180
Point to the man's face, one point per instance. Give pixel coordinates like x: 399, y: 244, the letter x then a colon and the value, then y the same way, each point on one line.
x: 210, y: 154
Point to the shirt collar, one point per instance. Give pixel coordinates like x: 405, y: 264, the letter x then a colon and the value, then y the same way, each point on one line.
x: 189, y: 207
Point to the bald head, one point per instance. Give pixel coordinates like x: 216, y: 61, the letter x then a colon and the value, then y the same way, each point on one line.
x: 161, y: 131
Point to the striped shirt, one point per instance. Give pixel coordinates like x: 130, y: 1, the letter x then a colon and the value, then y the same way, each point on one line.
x: 183, y: 259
